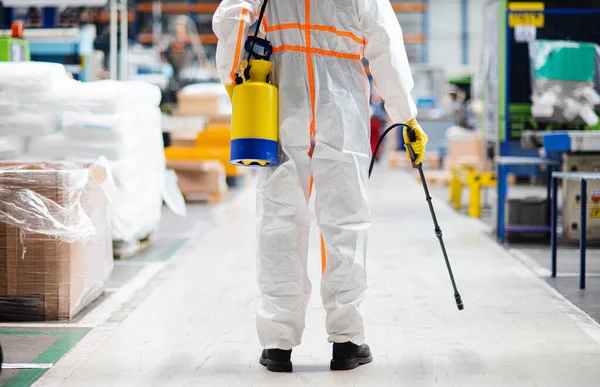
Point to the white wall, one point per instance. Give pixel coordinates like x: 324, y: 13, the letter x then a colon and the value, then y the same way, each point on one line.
x: 445, y: 43
x: 475, y: 31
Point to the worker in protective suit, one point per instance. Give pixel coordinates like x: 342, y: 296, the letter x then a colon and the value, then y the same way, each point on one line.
x: 324, y: 141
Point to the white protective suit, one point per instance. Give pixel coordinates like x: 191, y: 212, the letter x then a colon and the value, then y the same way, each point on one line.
x: 324, y: 137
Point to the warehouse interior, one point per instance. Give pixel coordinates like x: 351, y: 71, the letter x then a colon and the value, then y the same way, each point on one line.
x: 129, y: 247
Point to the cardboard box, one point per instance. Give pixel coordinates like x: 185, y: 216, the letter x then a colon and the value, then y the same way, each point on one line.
x: 200, y: 177
x: 470, y: 152
x: 213, y: 118
x: 198, y: 105
x: 55, y: 240
x: 183, y: 139
x: 216, y: 107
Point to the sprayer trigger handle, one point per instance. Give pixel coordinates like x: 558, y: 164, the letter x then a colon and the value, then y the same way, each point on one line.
x: 413, y: 156
x: 410, y: 133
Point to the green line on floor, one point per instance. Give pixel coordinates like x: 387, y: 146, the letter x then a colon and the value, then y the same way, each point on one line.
x: 35, y: 333
x: 162, y: 255
x: 171, y: 250
x: 65, y: 342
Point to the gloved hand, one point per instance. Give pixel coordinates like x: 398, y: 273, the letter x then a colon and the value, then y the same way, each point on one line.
x: 419, y: 145
x: 230, y: 91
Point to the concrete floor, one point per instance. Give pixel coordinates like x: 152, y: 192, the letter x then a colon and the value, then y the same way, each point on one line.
x: 192, y: 324
x: 130, y: 283
x: 535, y: 253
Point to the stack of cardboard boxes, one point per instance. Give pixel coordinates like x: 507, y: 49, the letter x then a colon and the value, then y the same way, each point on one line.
x: 201, y: 159
x: 212, y: 106
x: 467, y: 151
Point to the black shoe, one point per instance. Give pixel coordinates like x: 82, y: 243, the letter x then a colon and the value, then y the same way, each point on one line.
x: 347, y: 356
x: 277, y: 360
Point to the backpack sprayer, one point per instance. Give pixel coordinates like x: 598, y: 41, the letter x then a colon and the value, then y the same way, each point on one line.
x: 254, y: 124
x: 254, y: 119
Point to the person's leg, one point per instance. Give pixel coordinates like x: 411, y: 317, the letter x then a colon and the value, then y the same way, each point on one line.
x: 343, y: 217
x: 340, y: 168
x: 283, y: 227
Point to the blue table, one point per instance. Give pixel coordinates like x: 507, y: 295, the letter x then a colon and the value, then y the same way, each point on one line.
x: 503, y: 162
x: 583, y: 178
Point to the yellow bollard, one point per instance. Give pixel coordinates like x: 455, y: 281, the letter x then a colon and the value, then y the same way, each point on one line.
x: 452, y: 185
x: 474, y: 195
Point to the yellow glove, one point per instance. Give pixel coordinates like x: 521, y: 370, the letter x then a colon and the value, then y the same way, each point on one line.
x: 419, y: 145
x: 230, y: 91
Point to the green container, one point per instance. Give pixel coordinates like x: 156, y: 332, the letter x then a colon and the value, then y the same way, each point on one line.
x: 565, y: 60
x: 14, y: 50
x: 520, y: 119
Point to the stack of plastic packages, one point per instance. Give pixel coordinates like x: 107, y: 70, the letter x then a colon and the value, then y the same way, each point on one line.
x: 566, y: 82
x: 20, y: 117
x: 120, y: 121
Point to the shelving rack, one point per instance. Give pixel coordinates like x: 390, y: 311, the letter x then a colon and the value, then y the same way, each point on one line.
x: 508, y: 81
x: 415, y: 12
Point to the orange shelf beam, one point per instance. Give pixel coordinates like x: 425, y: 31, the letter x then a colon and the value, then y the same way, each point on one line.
x: 212, y: 7
x: 409, y: 7
x: 414, y: 38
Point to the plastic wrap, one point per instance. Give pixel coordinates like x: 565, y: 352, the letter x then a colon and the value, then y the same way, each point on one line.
x: 9, y: 104
x: 12, y: 147
x: 55, y: 242
x: 25, y: 123
x: 58, y: 147
x: 30, y: 77
x: 98, y: 127
x: 566, y: 82
x: 103, y: 97
x: 100, y: 97
x: 117, y: 120
x: 144, y: 93
x: 137, y: 168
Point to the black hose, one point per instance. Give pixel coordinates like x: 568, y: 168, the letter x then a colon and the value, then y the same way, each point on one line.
x: 380, y: 141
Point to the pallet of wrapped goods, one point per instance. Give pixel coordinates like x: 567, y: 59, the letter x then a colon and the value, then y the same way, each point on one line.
x: 55, y: 239
x: 120, y: 121
x: 63, y: 119
x: 203, y: 180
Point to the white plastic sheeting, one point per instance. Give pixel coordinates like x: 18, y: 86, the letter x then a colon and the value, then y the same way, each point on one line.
x: 59, y: 118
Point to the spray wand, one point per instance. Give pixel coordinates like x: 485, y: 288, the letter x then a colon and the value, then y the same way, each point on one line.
x: 438, y: 231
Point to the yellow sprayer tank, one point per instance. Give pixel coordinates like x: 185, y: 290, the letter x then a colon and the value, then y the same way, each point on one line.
x: 254, y: 121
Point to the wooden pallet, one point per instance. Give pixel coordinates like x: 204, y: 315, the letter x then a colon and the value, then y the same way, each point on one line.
x: 209, y: 198
x: 398, y: 159
x: 124, y: 250
x: 436, y: 177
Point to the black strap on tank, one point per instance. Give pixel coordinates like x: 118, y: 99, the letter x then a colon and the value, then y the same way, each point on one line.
x: 260, y: 18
